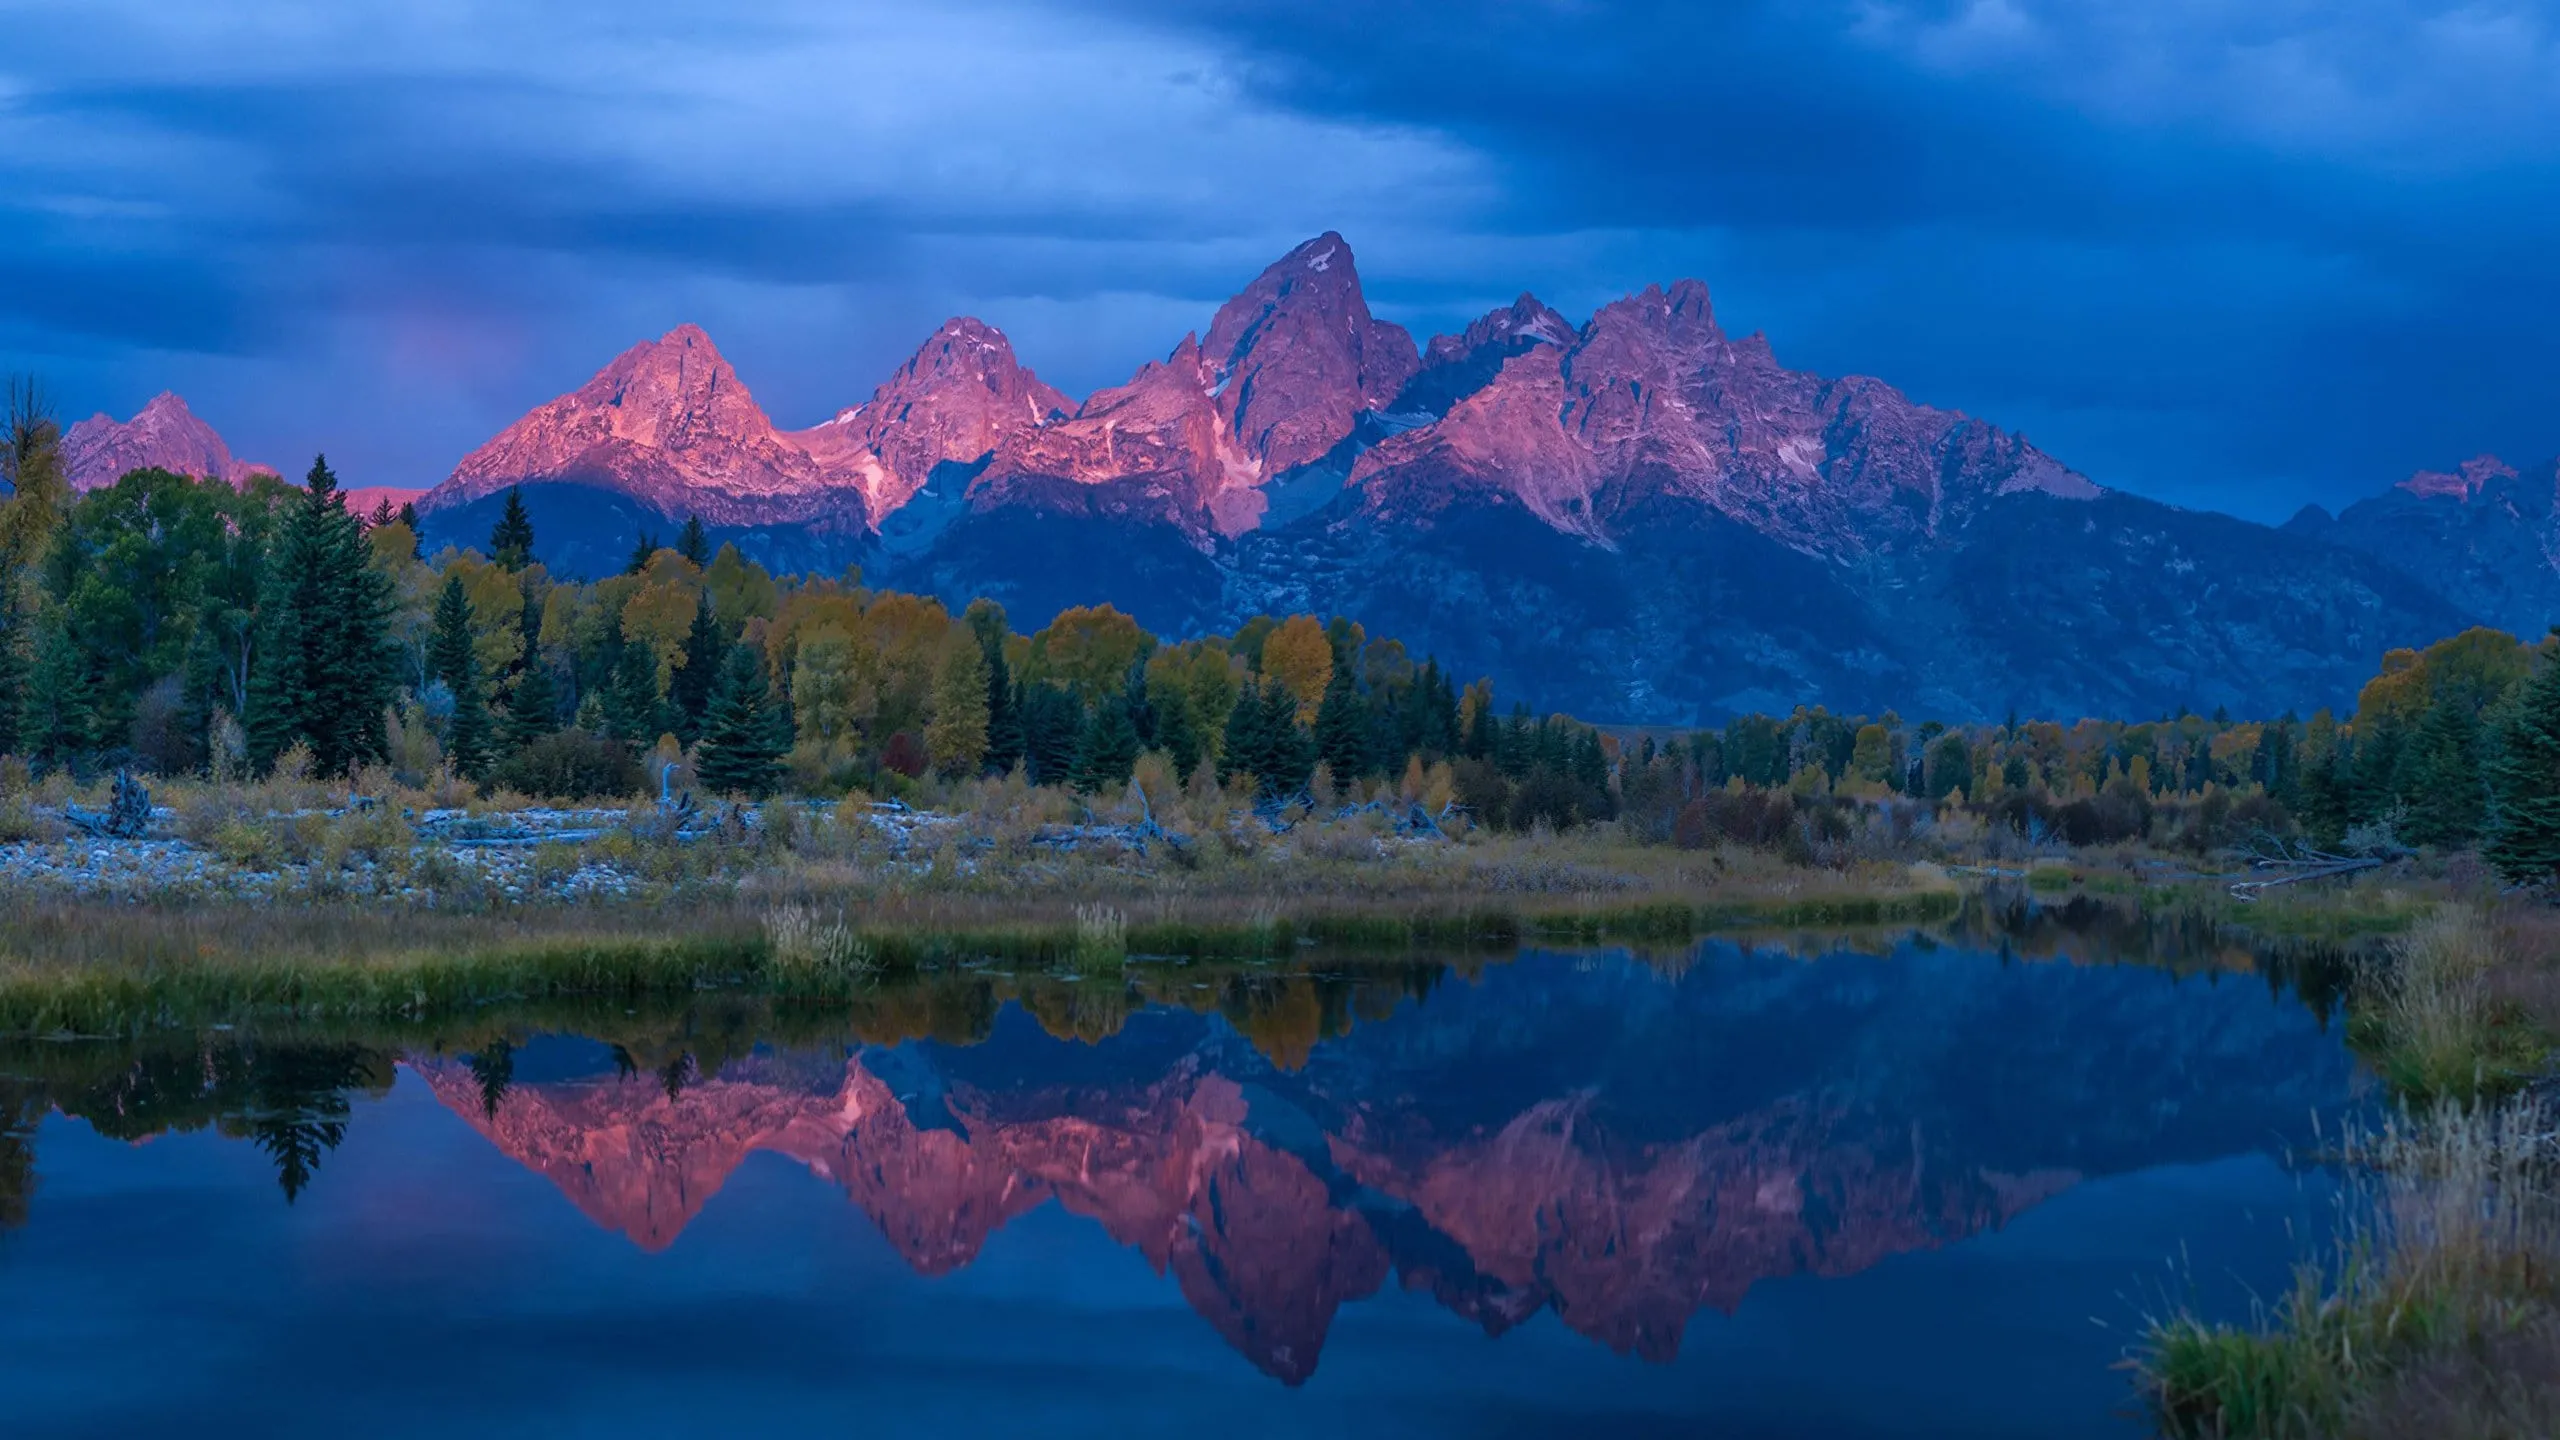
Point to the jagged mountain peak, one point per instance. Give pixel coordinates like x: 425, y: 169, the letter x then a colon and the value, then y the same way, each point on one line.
x: 164, y: 434
x: 1299, y: 357
x: 667, y: 426
x: 951, y: 402
x: 2463, y: 482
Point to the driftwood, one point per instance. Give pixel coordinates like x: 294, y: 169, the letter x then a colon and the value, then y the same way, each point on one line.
x: 128, y: 813
x: 1136, y: 837
x: 2284, y: 863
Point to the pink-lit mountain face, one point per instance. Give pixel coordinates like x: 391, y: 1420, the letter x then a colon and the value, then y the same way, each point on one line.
x: 1287, y: 370
x: 668, y: 423
x: 1652, y: 401
x: 1636, y: 518
x: 2485, y: 533
x: 1572, y: 425
x: 952, y: 402
x: 165, y: 435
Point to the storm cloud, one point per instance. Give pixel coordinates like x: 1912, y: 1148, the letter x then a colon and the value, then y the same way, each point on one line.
x: 2238, y: 257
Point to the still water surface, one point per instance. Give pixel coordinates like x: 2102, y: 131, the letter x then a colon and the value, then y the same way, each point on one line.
x: 1753, y: 1190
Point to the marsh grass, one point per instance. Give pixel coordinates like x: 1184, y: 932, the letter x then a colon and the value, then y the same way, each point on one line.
x: 2431, y: 1018
x: 2436, y: 1315
x: 807, y: 955
x: 2447, y: 1256
x: 1102, y: 936
x: 92, y: 968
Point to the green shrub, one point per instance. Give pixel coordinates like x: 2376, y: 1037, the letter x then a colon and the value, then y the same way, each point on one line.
x: 246, y: 844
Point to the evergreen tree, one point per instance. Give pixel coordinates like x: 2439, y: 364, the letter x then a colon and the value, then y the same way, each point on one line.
x: 2380, y: 748
x: 1482, y: 737
x: 1589, y: 762
x: 641, y: 554
x: 741, y: 753
x: 13, y: 668
x: 1342, y: 728
x: 1289, y: 750
x: 2448, y: 799
x: 533, y: 711
x: 632, y: 704
x: 452, y: 659
x: 1437, y: 704
x: 1004, y: 718
x: 61, y: 716
x: 1247, y: 750
x: 2524, y: 783
x: 704, y: 649
x: 1053, y: 723
x: 692, y: 544
x: 325, y: 672
x: 1178, y: 734
x: 2323, y: 768
x: 511, y: 539
x: 986, y: 620
x: 1109, y: 749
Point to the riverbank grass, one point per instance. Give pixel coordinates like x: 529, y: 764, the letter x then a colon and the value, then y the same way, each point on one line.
x: 2438, y: 1314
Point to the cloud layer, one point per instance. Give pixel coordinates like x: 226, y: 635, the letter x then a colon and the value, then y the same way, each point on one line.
x: 2233, y: 256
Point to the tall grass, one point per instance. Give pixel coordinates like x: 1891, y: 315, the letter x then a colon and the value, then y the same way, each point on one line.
x: 91, y: 968
x: 2439, y: 1312
x: 2430, y: 1021
x: 806, y: 955
x: 2449, y: 1248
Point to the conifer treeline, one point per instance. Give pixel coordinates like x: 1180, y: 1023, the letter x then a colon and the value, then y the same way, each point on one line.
x: 190, y: 627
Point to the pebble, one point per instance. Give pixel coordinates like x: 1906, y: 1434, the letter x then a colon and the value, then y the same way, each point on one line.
x: 170, y: 868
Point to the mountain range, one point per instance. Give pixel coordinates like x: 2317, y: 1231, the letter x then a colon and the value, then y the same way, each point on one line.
x: 1635, y: 518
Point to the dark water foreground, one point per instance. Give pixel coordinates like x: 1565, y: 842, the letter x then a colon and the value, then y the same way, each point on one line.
x: 1786, y: 1191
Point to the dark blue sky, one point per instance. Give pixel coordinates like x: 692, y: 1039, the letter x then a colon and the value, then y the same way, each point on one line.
x: 2236, y: 256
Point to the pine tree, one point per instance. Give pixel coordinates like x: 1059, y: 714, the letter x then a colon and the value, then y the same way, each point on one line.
x: 1247, y: 750
x: 511, y: 539
x: 704, y: 649
x: 739, y: 754
x: 1342, y: 728
x: 1483, y: 738
x: 533, y: 711
x: 1053, y: 723
x: 2524, y: 783
x: 2448, y: 798
x: 61, y: 716
x: 13, y: 668
x: 325, y: 671
x: 1178, y: 734
x: 692, y: 544
x: 1109, y: 750
x: 1284, y: 754
x: 1293, y: 748
x: 632, y: 705
x: 641, y: 554
x: 452, y: 658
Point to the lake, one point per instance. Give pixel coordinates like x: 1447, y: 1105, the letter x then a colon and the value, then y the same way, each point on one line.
x: 1903, y: 1186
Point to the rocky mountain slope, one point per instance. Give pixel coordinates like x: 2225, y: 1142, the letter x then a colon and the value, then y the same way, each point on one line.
x: 2484, y: 534
x: 665, y: 431
x: 1639, y: 518
x: 165, y: 435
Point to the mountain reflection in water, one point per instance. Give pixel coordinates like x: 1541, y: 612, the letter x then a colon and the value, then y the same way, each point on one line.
x: 1617, y: 1141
